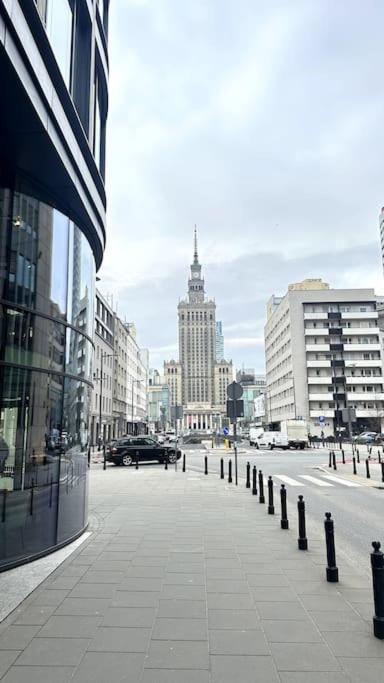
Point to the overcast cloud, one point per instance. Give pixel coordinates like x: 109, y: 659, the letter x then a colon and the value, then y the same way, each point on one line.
x: 261, y: 121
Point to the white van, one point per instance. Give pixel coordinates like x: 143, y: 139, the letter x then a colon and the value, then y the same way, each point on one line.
x: 272, y: 440
x: 254, y: 433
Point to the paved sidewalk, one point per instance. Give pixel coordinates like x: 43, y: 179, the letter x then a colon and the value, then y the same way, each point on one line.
x: 187, y: 579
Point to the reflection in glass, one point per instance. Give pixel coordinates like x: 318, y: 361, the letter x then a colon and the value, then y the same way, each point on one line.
x: 59, y: 29
x: 59, y: 263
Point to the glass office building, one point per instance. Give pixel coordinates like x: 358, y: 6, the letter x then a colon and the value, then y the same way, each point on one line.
x: 53, y: 59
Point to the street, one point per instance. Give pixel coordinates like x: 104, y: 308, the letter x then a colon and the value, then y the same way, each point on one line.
x: 355, y: 502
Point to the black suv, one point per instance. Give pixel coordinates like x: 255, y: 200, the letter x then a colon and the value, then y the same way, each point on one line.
x: 128, y: 449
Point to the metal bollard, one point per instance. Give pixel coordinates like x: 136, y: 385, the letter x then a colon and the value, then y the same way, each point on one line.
x: 370, y: 450
x: 166, y: 461
x: 254, y: 481
x: 221, y: 468
x: 284, y: 524
x: 358, y: 455
x: 302, y: 540
x: 205, y: 464
x: 4, y: 505
x: 367, y: 468
x: 248, y: 483
x: 354, y: 465
x: 342, y: 456
x: 229, y: 471
x: 330, y: 459
x: 183, y: 462
x: 332, y: 571
x: 89, y: 457
x: 261, y: 488
x: 377, y: 564
x: 137, y: 460
x: 378, y: 455
x: 271, y: 507
x: 334, y: 460
x: 382, y: 472
x: 104, y: 458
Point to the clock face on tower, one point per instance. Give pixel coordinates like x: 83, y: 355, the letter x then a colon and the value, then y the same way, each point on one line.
x: 195, y: 275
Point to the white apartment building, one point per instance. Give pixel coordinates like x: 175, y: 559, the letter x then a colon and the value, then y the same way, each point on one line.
x: 323, y: 351
x: 102, y: 393
x: 137, y: 366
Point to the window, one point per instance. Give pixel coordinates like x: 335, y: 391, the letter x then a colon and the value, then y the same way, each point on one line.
x: 59, y: 28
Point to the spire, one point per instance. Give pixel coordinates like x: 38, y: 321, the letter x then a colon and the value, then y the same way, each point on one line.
x: 195, y: 255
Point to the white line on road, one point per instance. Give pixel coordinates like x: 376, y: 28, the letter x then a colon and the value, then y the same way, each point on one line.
x: 313, y: 480
x: 289, y: 480
x: 344, y: 482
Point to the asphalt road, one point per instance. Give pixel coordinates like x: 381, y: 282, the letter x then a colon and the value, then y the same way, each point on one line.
x: 356, y: 504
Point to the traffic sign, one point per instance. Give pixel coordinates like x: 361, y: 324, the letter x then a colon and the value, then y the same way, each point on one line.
x: 234, y: 391
x: 225, y: 431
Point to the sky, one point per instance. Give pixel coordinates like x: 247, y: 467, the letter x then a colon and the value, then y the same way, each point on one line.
x: 262, y: 122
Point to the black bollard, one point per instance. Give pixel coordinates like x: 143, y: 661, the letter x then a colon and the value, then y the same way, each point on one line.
x: 342, y: 456
x: 229, y: 471
x: 205, y: 464
x: 271, y: 507
x: 377, y: 564
x: 166, y: 461
x: 378, y: 455
x: 370, y: 450
x: 261, y: 488
x: 89, y: 457
x: 137, y: 460
x: 254, y: 481
x: 4, y: 505
x: 382, y: 472
x: 302, y: 540
x: 334, y: 460
x: 104, y: 458
x: 248, y: 483
x: 354, y: 465
x: 221, y: 468
x: 330, y: 459
x: 183, y: 462
x: 283, y: 498
x: 367, y: 468
x: 332, y: 570
x: 358, y: 455
x: 31, y: 498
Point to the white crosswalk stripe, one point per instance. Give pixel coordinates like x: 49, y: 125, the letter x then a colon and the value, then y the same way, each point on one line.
x: 314, y: 480
x: 289, y: 480
x: 344, y: 482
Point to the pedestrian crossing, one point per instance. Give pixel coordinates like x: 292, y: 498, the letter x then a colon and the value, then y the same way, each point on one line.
x: 323, y: 480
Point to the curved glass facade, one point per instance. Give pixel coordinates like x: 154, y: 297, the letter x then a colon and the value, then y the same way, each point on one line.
x: 47, y: 293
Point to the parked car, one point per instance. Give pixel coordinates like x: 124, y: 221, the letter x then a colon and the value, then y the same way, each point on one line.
x: 127, y: 450
x: 366, y: 437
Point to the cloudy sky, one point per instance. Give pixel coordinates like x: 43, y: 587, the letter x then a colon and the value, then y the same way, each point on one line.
x: 261, y: 121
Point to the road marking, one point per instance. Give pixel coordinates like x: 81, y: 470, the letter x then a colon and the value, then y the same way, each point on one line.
x: 289, y: 480
x: 344, y: 482
x: 313, y: 480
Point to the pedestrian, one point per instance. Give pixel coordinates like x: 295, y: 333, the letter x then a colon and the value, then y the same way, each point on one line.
x: 310, y: 438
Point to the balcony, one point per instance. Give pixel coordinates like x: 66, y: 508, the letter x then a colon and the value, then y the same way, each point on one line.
x: 336, y: 347
x: 320, y: 397
x: 369, y: 412
x: 339, y: 396
x: 319, y: 412
x: 318, y: 363
x: 317, y: 347
x: 334, y: 315
x: 338, y: 380
x: 364, y: 380
x: 321, y: 315
x: 359, y: 315
x: 326, y: 379
x: 366, y: 331
x: 316, y: 331
x: 361, y: 347
x: 366, y: 396
x: 359, y: 363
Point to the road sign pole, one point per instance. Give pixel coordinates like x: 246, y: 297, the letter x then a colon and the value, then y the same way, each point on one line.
x: 235, y: 438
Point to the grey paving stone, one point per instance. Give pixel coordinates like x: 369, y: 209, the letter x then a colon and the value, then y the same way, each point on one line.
x: 171, y: 591
x: 313, y: 588
x: 290, y: 631
x: 182, y: 609
x: 111, y: 565
x: 267, y: 580
x: 174, y: 676
x: 7, y: 657
x: 235, y: 642
x: 129, y: 616
x: 110, y: 639
x: 83, y: 606
x: 34, y: 614
x: 92, y: 590
x: 135, y: 599
x: 17, y: 637
x: 340, y: 621
x: 303, y: 657
x: 281, y: 610
x: 227, y: 669
x: 138, y: 584
x: 179, y: 629
x: 39, y: 674
x: 64, y: 582
x: 177, y: 655
x: 50, y: 597
x: 53, y: 652
x: 70, y: 627
x: 228, y: 601
x: 323, y: 603
x: 225, y: 573
x: 186, y: 567
x: 283, y: 594
x: 137, y: 571
x: 116, y: 667
x: 355, y: 595
x: 117, y: 556
x: 355, y: 644
x: 261, y: 568
x: 233, y: 619
x: 102, y: 577
x: 314, y: 677
x: 226, y: 586
x: 149, y: 561
x: 361, y: 670
x: 230, y: 563
x: 184, y: 579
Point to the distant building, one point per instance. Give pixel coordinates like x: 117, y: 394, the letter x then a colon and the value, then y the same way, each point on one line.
x: 323, y: 350
x: 103, y: 366
x: 158, y: 402
x: 172, y: 377
x: 219, y: 341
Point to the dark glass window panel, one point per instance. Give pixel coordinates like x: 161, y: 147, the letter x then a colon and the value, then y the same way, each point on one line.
x: 81, y: 282
x: 30, y: 339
